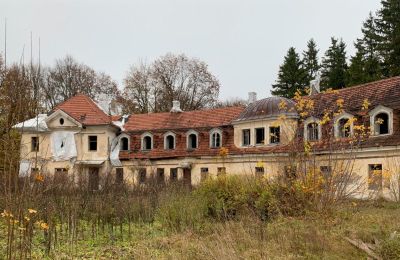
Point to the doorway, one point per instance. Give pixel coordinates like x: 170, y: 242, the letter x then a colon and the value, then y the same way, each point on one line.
x: 187, y: 176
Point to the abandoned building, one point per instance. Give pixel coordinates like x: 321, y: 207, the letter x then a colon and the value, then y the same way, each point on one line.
x: 78, y: 138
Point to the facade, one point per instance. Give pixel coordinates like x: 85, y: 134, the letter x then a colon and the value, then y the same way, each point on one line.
x: 78, y: 139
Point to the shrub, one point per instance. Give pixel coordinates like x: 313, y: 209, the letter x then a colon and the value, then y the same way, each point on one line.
x: 390, y: 248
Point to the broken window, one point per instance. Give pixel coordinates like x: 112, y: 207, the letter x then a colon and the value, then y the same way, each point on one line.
x: 382, y: 124
x: 192, y: 141
x: 275, y: 134
x: 215, y: 139
x: 170, y: 142
x: 35, y: 144
x: 92, y: 143
x: 124, y: 144
x: 260, y: 135
x: 221, y: 171
x: 160, y: 176
x: 312, y: 132
x: 173, y: 174
x: 119, y: 176
x: 142, y: 175
x: 147, y: 143
x: 344, y: 128
x: 260, y: 171
x: 246, y: 137
x: 203, y: 174
x: 326, y: 171
x: 375, y: 176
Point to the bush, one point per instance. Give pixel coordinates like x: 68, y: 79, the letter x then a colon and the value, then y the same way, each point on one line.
x: 390, y: 248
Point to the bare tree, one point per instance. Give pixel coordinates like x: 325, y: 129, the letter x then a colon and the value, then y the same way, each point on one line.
x: 232, y: 102
x: 68, y: 77
x: 171, y: 77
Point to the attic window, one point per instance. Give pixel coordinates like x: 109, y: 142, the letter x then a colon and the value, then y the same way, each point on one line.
x: 61, y: 121
x: 382, y: 123
x: 124, y: 145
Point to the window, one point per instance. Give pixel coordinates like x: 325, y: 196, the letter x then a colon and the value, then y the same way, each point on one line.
x: 375, y: 176
x: 61, y: 121
x: 275, y: 134
x: 246, y: 137
x: 142, y: 175
x: 169, y: 142
x: 312, y: 131
x: 124, y: 144
x: 343, y: 128
x: 192, y: 142
x: 60, y: 175
x: 260, y: 171
x: 35, y: 144
x: 119, y: 176
x: 382, y: 124
x: 203, y: 174
x: 215, y: 138
x: 160, y: 176
x: 221, y: 171
x: 92, y: 143
x: 147, y: 142
x: 173, y: 174
x: 260, y: 135
x: 326, y: 171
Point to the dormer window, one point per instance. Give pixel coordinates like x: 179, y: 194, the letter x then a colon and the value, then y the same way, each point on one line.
x: 192, y: 139
x: 312, y: 129
x: 215, y: 138
x: 169, y: 141
x: 147, y: 141
x: 381, y: 120
x: 343, y: 127
x: 124, y: 144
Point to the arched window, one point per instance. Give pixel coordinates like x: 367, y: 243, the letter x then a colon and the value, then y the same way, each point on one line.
x: 192, y: 139
x: 343, y: 127
x: 147, y: 141
x: 215, y: 138
x: 382, y: 124
x: 381, y: 120
x: 312, y: 131
x: 169, y: 141
x: 124, y: 144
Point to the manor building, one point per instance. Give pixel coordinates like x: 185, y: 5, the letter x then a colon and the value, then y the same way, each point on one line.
x: 79, y: 139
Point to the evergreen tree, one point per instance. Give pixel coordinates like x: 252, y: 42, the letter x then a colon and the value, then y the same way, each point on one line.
x: 388, y: 29
x: 365, y: 64
x: 291, y: 76
x: 310, y: 60
x: 334, y: 65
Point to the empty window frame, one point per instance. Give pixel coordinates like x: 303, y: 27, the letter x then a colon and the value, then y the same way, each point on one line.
x: 260, y: 171
x: 169, y: 142
x: 124, y: 144
x: 375, y: 176
x: 312, y: 131
x: 203, y: 173
x: 173, y: 174
x: 35, y: 144
x: 147, y: 142
x: 260, y: 135
x: 246, y: 137
x: 92, y: 142
x: 343, y: 127
x: 221, y: 171
x: 215, y: 139
x: 382, y: 124
x: 119, y: 176
x: 160, y: 175
x: 274, y: 135
x: 142, y: 175
x: 192, y: 140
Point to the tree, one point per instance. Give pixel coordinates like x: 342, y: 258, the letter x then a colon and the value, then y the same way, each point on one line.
x: 68, y: 78
x: 310, y: 60
x: 365, y: 65
x: 291, y: 76
x: 334, y: 65
x: 152, y: 88
x: 388, y: 30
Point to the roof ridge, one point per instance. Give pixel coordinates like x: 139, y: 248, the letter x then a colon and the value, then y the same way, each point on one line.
x: 190, y: 111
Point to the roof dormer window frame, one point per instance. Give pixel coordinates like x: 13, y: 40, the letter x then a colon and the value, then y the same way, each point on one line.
x: 311, y: 120
x: 121, y: 136
x: 143, y: 145
x: 188, y: 134
x: 165, y: 140
x: 212, y: 141
x: 373, y: 126
x: 336, y: 130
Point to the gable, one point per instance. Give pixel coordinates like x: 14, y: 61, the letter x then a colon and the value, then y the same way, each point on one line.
x: 60, y: 119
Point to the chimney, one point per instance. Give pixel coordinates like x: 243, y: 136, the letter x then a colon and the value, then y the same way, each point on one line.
x: 176, y: 107
x: 252, y: 97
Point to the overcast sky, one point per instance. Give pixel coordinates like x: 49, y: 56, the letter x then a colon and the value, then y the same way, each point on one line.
x: 243, y: 42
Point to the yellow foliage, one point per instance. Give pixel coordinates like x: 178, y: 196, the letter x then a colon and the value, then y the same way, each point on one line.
x: 365, y: 104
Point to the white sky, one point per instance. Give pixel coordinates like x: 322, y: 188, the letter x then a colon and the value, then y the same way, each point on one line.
x: 242, y: 41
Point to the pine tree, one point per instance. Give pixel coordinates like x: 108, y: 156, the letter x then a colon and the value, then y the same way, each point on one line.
x: 334, y: 65
x: 310, y: 60
x: 365, y: 64
x: 291, y: 76
x: 388, y: 28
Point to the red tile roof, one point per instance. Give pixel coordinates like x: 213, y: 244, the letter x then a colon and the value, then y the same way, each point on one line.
x: 84, y: 110
x: 183, y: 120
